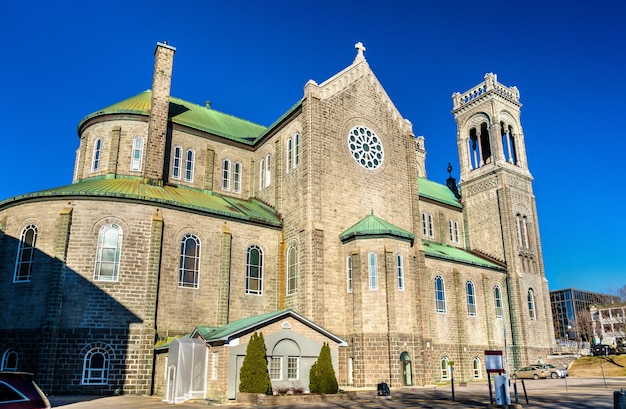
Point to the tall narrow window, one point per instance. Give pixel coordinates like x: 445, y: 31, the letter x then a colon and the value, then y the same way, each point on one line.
x: 96, y: 367
x: 471, y: 299
x: 108, y: 253
x: 400, y: 270
x: 189, y: 266
x: 292, y: 271
x: 518, y: 229
x: 289, y: 154
x: 254, y: 270
x: 226, y: 174
x: 497, y: 296
x: 9, y: 360
x: 525, y: 232
x: 97, y: 151
x: 349, y: 273
x: 261, y: 174
x: 476, y: 368
x: 189, y: 165
x: 237, y: 177
x: 268, y: 169
x: 444, y: 364
x: 25, y: 254
x: 531, y: 304
x: 276, y: 368
x: 137, y: 156
x: 453, y: 230
x: 293, y: 368
x: 427, y: 225
x: 296, y: 150
x: 178, y: 153
x: 440, y: 295
x: 372, y: 268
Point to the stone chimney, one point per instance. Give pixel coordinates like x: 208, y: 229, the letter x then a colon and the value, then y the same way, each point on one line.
x: 159, y: 109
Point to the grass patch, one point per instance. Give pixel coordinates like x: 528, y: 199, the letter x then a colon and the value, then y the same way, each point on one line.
x: 613, y: 365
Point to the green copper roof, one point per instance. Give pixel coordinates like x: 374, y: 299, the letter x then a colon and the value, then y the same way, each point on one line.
x: 372, y: 227
x: 442, y: 251
x: 177, y: 197
x: 436, y: 191
x: 188, y: 114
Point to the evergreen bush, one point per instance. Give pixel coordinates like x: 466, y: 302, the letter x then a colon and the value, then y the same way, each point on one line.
x: 322, y: 376
x: 253, y: 376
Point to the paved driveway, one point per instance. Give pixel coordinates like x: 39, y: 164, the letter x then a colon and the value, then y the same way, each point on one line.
x: 571, y: 393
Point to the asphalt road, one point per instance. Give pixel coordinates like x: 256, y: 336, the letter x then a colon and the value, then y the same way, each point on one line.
x: 574, y: 393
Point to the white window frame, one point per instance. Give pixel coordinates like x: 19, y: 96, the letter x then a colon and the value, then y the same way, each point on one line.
x: 190, y: 158
x: 276, y: 368
x: 497, y: 298
x: 136, y: 157
x: 296, y: 150
x: 97, y: 153
x: 531, y: 304
x: 226, y: 174
x: 293, y: 369
x: 400, y: 271
x: 289, y: 155
x: 428, y: 230
x: 440, y: 295
x: 6, y: 364
x: 176, y: 161
x: 25, y: 254
x: 444, y: 366
x: 189, y: 263
x: 349, y: 282
x: 292, y: 270
x: 259, y: 276
x: 372, y: 270
x: 477, y: 369
x: 104, y: 250
x: 470, y: 290
x: 90, y: 374
x: 237, y: 177
x: 268, y: 169
x: 261, y: 174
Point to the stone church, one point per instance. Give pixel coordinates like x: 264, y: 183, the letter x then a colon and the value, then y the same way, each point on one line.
x: 185, y: 230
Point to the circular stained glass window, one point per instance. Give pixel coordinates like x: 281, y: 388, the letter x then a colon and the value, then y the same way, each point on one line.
x: 365, y: 147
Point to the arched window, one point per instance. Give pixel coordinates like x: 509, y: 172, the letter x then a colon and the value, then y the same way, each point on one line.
x: 296, y: 147
x: 427, y: 225
x: 137, y: 156
x: 189, y: 165
x: 268, y: 169
x: 9, y: 360
x: 400, y: 269
x: 261, y: 174
x: 444, y: 365
x: 25, y: 254
x: 108, y: 253
x: 440, y: 295
x: 97, y: 151
x: 178, y: 153
x: 289, y: 154
x: 189, y: 266
x: 254, y: 270
x: 96, y: 367
x: 226, y: 174
x: 471, y: 299
x: 531, y: 304
x: 349, y: 273
x: 477, y: 371
x: 237, y: 177
x: 497, y: 297
x: 372, y: 269
x: 292, y: 271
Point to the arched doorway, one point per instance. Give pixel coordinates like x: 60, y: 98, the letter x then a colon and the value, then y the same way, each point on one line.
x: 407, y: 373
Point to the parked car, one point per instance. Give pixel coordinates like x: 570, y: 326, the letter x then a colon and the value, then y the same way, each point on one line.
x: 552, y: 371
x: 18, y: 390
x: 530, y: 372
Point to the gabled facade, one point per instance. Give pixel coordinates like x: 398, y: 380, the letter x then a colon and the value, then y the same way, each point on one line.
x: 180, y: 216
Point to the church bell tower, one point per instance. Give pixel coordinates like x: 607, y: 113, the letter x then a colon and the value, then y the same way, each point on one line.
x: 500, y: 210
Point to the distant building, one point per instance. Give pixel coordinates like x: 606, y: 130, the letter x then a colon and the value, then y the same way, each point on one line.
x: 609, y: 321
x: 567, y: 305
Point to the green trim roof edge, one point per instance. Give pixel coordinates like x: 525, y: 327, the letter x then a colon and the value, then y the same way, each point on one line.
x: 372, y: 226
x: 445, y: 252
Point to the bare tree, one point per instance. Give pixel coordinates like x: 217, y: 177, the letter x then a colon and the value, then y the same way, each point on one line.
x: 622, y: 293
x: 584, y: 326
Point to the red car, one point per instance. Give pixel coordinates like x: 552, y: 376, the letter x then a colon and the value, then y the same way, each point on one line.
x: 18, y: 390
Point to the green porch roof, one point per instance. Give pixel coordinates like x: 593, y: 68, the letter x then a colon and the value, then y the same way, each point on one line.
x: 373, y: 227
x: 188, y: 114
x: 176, y: 197
x: 445, y: 252
x: 436, y: 191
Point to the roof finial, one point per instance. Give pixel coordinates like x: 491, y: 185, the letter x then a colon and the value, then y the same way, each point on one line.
x: 360, y: 49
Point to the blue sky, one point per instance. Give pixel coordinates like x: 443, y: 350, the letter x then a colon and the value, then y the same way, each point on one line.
x: 64, y: 60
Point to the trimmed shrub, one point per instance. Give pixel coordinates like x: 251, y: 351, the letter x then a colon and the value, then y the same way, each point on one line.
x: 253, y: 376
x: 322, y: 376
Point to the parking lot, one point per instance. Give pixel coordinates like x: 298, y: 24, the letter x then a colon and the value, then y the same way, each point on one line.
x: 574, y: 393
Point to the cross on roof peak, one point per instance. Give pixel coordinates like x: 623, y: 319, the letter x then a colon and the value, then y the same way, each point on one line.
x: 360, y: 49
